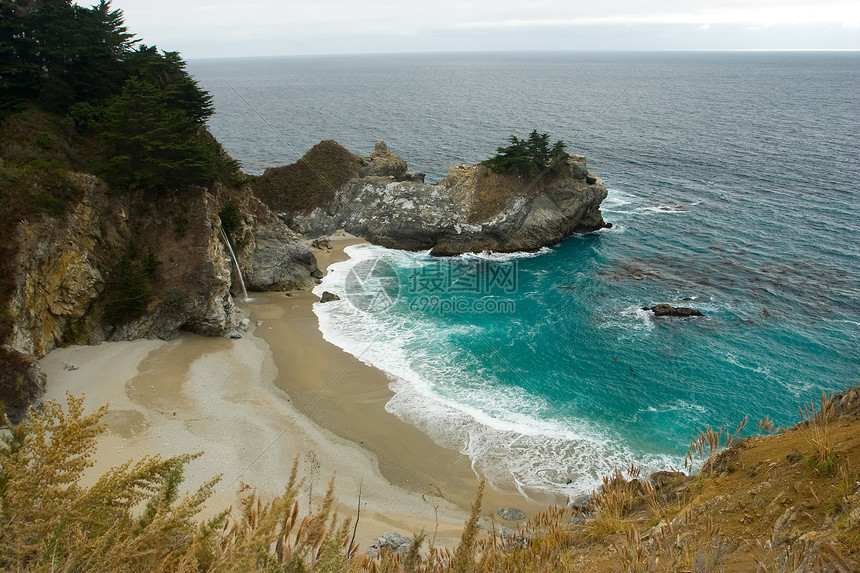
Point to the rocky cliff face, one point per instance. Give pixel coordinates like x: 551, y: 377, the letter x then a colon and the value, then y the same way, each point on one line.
x: 271, y: 256
x: 121, y: 267
x: 473, y: 209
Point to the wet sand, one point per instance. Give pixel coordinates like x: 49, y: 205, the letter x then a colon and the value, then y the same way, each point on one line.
x: 256, y: 404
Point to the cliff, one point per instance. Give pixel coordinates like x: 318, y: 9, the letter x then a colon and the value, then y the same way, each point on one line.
x: 472, y: 209
x: 271, y: 255
x: 137, y: 265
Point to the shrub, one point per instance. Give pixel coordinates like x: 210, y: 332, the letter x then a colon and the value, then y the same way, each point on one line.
x: 133, y: 518
x: 128, y: 289
x: 231, y: 217
x: 310, y: 182
x: 85, y: 116
x: 180, y: 224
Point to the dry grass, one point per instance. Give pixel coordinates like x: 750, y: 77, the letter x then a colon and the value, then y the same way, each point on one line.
x: 133, y: 518
x: 495, y: 191
x: 764, y: 511
x: 821, y: 449
x: 612, y: 503
x: 707, y: 444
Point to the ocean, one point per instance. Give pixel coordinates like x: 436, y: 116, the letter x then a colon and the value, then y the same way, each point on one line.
x: 734, y: 188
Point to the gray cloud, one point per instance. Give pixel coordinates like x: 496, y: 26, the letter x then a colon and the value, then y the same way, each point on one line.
x: 216, y: 28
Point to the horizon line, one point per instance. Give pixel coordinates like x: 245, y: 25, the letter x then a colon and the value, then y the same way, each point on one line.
x: 527, y: 51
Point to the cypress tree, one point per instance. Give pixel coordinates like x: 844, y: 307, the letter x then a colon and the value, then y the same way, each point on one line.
x: 152, y: 145
x: 529, y: 157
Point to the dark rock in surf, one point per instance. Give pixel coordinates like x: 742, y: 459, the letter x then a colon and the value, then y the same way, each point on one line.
x: 673, y: 311
x: 329, y: 297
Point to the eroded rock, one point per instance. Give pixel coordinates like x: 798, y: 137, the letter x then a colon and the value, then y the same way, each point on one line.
x: 473, y: 209
x: 382, y: 163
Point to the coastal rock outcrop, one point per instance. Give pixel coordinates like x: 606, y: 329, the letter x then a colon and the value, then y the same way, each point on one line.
x: 271, y: 256
x: 76, y: 275
x: 664, y: 309
x: 472, y: 209
x: 137, y: 265
x: 382, y: 163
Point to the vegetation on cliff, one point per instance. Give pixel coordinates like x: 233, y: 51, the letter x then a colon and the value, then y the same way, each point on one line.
x: 136, y: 108
x: 79, y: 94
x: 310, y: 182
x: 532, y: 157
x: 786, y: 501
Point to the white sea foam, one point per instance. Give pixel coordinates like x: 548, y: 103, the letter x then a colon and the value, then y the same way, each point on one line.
x: 493, y: 256
x: 758, y: 369
x: 676, y: 406
x: 662, y: 209
x: 541, y: 459
x: 631, y: 320
x: 687, y: 406
x: 515, y: 440
x: 615, y: 199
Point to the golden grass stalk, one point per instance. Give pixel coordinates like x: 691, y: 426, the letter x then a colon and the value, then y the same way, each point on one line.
x: 822, y: 454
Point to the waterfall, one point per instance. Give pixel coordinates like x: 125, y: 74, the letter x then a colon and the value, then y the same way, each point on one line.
x: 235, y: 262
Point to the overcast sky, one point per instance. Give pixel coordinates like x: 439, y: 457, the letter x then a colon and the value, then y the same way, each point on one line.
x: 222, y: 28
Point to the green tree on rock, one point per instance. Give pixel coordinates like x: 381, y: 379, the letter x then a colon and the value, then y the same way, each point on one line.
x: 152, y: 145
x: 58, y: 54
x: 156, y: 135
x: 166, y: 71
x: 530, y: 157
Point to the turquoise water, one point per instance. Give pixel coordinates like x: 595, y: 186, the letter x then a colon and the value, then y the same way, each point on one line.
x: 734, y: 189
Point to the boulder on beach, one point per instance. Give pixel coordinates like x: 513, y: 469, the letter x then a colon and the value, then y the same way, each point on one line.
x: 322, y: 242
x: 389, y: 541
x: 512, y: 514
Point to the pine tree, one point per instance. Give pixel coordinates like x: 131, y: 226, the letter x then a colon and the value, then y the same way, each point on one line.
x: 152, y: 144
x: 18, y: 70
x: 166, y: 71
x: 101, y: 42
x: 59, y: 54
x: 539, y: 149
x: 530, y: 157
x: 559, y: 156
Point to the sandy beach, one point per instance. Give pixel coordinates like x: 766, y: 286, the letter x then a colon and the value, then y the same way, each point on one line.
x: 255, y: 404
